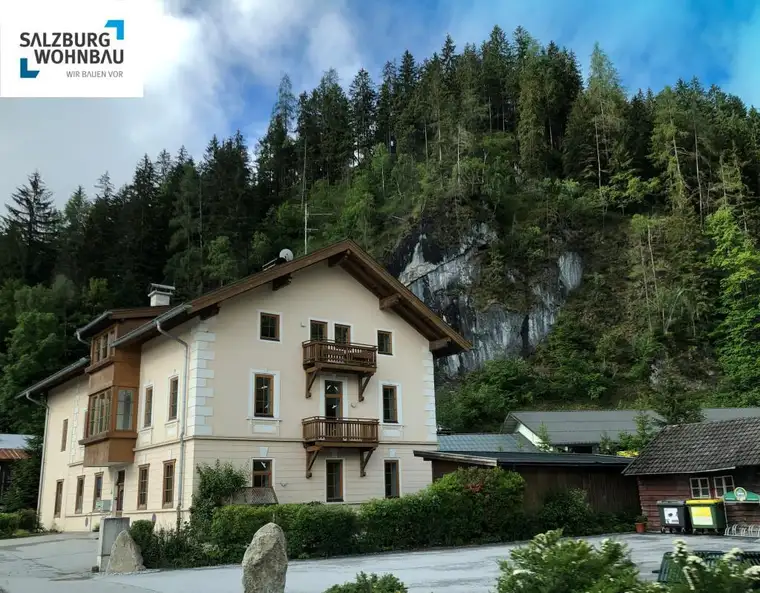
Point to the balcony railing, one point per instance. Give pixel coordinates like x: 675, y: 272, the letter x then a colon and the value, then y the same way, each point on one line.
x: 320, y: 429
x: 332, y: 353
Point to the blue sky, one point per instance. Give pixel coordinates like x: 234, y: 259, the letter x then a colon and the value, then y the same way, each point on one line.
x: 221, y: 61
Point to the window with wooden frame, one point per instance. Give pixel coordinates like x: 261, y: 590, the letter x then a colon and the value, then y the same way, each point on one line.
x: 390, y: 404
x: 99, y: 413
x: 111, y: 340
x: 269, y: 327
x: 334, y: 476
x: 64, y: 433
x: 97, y: 490
x: 173, y: 398
x: 700, y: 487
x: 125, y: 409
x: 79, y: 501
x: 723, y: 485
x: 317, y: 331
x: 142, y: 486
x: 58, y: 498
x: 391, y: 479
x: 103, y: 346
x: 262, y: 473
x: 342, y: 334
x: 148, y: 412
x: 263, y: 396
x: 167, y: 497
x: 384, y: 342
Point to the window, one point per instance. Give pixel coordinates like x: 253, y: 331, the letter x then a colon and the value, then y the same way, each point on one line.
x: 148, y: 413
x: 700, y: 487
x: 99, y: 413
x: 390, y: 404
x: 334, y: 472
x: 80, y: 495
x: 142, y: 486
x: 103, y: 341
x: 342, y: 334
x: 384, y: 342
x: 263, y: 386
x: 173, y: 397
x: 124, y: 408
x: 262, y: 473
x: 723, y: 484
x: 391, y: 479
x: 269, y: 327
x: 168, y: 486
x: 317, y: 331
x: 97, y: 491
x: 64, y: 434
x: 58, y: 498
x: 111, y: 340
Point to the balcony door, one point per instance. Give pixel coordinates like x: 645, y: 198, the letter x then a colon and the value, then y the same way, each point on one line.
x: 333, y: 407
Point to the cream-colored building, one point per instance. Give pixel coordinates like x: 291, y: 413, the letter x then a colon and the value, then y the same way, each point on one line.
x: 315, y: 375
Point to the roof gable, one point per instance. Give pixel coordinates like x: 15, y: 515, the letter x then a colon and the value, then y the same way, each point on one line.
x: 700, y: 447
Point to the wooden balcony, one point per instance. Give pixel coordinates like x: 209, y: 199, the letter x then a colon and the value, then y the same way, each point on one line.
x: 358, y: 433
x: 329, y: 355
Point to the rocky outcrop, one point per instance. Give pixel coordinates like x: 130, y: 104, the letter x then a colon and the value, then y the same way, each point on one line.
x: 266, y: 561
x: 443, y: 280
x: 125, y: 555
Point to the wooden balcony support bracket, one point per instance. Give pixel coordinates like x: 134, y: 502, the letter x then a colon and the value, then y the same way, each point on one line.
x: 311, y: 457
x: 364, y: 460
x: 281, y: 282
x: 364, y: 380
x: 390, y: 301
x: 311, y: 376
x: 209, y: 312
x: 439, y: 344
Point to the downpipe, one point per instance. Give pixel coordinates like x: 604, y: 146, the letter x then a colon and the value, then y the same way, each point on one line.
x: 182, y: 418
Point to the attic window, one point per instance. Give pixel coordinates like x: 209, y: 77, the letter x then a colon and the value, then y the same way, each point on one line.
x: 700, y: 487
x: 384, y: 342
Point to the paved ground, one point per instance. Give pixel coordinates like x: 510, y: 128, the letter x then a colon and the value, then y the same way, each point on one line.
x: 61, y: 564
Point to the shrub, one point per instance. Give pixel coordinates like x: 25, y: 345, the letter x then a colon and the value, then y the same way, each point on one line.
x: 727, y: 575
x: 28, y: 520
x: 551, y: 564
x: 570, y: 511
x: 370, y: 584
x: 142, y: 533
x: 174, y: 548
x: 217, y: 485
x: 9, y: 523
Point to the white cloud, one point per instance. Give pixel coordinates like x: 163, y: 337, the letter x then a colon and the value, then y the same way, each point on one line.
x: 195, y: 88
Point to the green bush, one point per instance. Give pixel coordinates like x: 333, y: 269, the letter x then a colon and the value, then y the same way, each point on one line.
x: 142, y: 533
x: 553, y: 565
x: 28, y: 520
x: 370, y: 584
x: 9, y: 523
x: 727, y: 575
x: 570, y: 511
x: 217, y: 484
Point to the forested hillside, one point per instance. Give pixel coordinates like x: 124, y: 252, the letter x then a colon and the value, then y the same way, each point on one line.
x: 657, y: 190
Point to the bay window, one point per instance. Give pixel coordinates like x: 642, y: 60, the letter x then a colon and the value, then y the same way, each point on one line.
x: 99, y: 413
x: 106, y: 412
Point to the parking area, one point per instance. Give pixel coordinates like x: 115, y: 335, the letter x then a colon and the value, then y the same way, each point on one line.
x: 61, y: 564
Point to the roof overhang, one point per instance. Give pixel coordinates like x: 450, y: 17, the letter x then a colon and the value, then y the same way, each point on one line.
x: 167, y: 320
x: 456, y: 458
x: 57, y: 378
x: 631, y: 471
x: 508, y: 460
x: 107, y: 318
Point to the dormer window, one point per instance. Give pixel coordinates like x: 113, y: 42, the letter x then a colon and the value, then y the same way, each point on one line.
x: 102, y: 346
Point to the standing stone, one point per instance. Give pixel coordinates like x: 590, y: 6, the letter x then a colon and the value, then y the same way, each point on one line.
x: 266, y: 561
x: 125, y: 555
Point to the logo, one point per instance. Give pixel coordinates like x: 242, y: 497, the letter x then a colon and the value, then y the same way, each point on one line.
x: 83, y: 49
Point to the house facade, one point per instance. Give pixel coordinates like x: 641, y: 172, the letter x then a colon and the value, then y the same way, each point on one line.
x: 704, y: 461
x: 314, y: 375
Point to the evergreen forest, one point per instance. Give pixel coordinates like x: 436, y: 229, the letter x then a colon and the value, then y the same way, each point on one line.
x: 657, y: 189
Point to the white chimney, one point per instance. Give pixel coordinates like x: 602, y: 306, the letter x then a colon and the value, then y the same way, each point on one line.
x: 160, y: 295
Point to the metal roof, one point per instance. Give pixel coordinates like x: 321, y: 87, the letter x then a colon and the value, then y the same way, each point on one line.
x: 484, y: 442
x: 509, y: 459
x: 587, y: 427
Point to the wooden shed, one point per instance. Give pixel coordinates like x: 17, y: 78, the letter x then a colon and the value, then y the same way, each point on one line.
x: 600, y: 476
x: 707, y: 460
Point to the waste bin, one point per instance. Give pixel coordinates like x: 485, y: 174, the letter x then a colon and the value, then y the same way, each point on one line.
x: 674, y: 516
x: 707, y: 513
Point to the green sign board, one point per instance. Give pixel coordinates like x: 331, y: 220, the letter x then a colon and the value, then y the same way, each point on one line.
x: 741, y: 495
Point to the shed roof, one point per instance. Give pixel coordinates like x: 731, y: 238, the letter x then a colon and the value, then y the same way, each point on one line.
x: 700, y: 447
x: 484, y: 442
x: 585, y: 427
x: 511, y: 459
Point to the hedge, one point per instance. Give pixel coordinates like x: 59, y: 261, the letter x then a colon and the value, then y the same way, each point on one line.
x: 470, y: 506
x: 10, y: 523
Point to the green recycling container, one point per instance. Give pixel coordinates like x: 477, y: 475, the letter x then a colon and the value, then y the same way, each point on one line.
x: 707, y: 513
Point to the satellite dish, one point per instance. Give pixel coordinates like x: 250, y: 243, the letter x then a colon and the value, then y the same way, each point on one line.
x: 286, y: 254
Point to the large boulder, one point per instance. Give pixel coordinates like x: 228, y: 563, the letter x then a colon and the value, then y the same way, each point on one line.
x: 266, y: 561
x: 125, y: 555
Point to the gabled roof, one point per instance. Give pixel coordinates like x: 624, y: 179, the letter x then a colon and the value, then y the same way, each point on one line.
x: 107, y: 318
x: 495, y: 443
x: 57, y: 378
x: 513, y: 459
x: 391, y: 294
x: 587, y: 427
x: 700, y: 447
